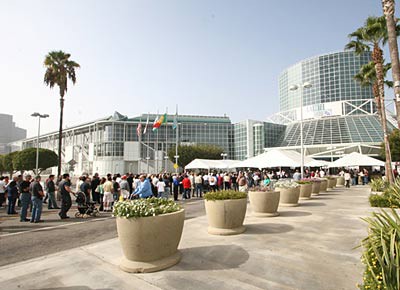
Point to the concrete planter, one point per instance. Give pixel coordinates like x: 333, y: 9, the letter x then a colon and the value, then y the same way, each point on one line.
x: 331, y: 183
x: 305, y: 191
x: 323, y: 186
x: 225, y: 217
x: 289, y: 196
x: 264, y: 203
x: 316, y: 186
x: 340, y: 181
x: 151, y: 243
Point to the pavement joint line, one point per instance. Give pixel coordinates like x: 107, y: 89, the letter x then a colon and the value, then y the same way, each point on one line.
x: 54, y: 227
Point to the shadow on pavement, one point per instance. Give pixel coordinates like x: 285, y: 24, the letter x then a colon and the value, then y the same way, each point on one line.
x: 72, y: 288
x: 294, y: 213
x: 215, y: 257
x: 312, y: 204
x: 267, y: 228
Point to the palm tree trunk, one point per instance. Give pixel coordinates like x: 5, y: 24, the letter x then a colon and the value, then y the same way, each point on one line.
x: 60, y: 136
x: 388, y: 9
x: 375, y: 92
x: 377, y: 56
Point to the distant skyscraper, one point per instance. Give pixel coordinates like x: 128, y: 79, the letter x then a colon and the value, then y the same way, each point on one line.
x: 9, y: 133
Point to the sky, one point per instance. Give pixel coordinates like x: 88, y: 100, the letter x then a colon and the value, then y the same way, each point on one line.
x: 209, y: 57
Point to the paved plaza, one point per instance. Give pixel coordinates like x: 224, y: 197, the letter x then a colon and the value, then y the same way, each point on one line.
x: 307, y: 247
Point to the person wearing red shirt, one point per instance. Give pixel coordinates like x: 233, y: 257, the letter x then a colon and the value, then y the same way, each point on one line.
x: 186, y: 187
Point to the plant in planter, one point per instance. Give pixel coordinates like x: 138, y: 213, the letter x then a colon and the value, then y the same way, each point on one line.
x: 141, y: 225
x: 305, y: 188
x: 264, y: 201
x: 225, y: 210
x: 332, y: 180
x: 378, y: 185
x: 290, y: 193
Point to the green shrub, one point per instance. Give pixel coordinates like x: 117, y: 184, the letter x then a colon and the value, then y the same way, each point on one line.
x: 378, y: 184
x: 376, y: 200
x: 304, y: 182
x: 225, y: 194
x: 381, y: 250
x: 144, y: 207
x: 260, y: 188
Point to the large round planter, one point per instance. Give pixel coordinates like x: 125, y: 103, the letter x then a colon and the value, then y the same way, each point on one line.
x: 151, y: 243
x: 264, y: 203
x: 340, y: 181
x: 305, y: 191
x: 289, y: 196
x: 316, y: 186
x: 225, y: 217
x: 331, y: 183
x: 323, y: 186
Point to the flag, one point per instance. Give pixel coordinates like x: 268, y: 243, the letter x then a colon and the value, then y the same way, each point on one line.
x: 159, y: 121
x: 139, y: 129
x: 175, y: 124
x: 147, y: 123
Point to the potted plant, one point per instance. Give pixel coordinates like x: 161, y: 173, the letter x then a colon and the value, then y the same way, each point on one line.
x: 264, y: 201
x: 305, y: 188
x: 340, y: 181
x: 290, y: 192
x: 378, y: 186
x: 331, y: 181
x: 149, y: 231
x: 225, y: 211
x: 324, y: 185
x: 316, y: 186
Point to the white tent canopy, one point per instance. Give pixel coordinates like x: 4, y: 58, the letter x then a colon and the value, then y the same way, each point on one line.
x: 280, y: 158
x: 211, y: 164
x: 356, y: 159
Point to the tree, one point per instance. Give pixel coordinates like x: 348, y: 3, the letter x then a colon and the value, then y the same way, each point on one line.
x: 373, y: 35
x: 188, y: 153
x: 394, y: 140
x: 2, y: 169
x: 26, y: 159
x: 393, y: 32
x: 367, y: 77
x: 58, y: 70
x: 8, y: 162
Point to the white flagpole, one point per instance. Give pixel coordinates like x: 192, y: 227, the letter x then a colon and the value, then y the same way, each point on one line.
x: 148, y: 143
x: 156, y: 150
x: 176, y: 139
x: 166, y: 139
x: 139, y: 132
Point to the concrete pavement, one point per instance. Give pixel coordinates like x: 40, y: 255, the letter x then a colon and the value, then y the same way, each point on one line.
x: 307, y: 247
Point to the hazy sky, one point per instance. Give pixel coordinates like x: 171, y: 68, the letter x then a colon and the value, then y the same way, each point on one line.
x: 209, y: 57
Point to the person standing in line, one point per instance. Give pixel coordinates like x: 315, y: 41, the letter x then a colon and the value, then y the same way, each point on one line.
x: 95, y: 182
x: 186, y: 187
x: 65, y: 190
x: 144, y: 188
x: 347, y: 178
x: 198, y: 180
x: 25, y: 197
x: 175, y: 183
x: 2, y: 191
x: 100, y: 190
x: 130, y: 182
x: 116, y: 187
x: 37, y: 200
x: 108, y: 196
x: 51, y: 191
x: 12, y: 195
x: 124, y: 185
x: 161, y: 189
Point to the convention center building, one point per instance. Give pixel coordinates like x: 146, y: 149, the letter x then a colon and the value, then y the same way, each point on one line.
x: 338, y: 116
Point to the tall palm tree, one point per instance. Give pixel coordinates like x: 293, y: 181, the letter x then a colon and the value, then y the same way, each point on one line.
x: 59, y: 68
x: 373, y: 35
x: 393, y: 32
x: 367, y: 77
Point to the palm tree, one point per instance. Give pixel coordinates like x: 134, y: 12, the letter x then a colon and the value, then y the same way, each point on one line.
x: 393, y: 31
x: 367, y: 77
x: 373, y: 35
x: 58, y: 70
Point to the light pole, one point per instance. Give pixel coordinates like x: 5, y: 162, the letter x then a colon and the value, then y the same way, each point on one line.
x: 302, y: 86
x: 36, y: 114
x: 166, y: 162
x: 176, y: 163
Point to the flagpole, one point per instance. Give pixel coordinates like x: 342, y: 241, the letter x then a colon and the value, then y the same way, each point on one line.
x: 176, y: 140
x: 148, y: 144
x: 166, y: 140
x: 156, y: 149
x: 140, y: 143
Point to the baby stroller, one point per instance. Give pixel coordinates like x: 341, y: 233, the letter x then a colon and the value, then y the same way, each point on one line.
x: 85, y: 209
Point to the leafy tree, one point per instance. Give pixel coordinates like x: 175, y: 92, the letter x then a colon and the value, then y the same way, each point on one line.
x: 187, y: 153
x: 59, y: 68
x: 372, y: 36
x: 26, y: 159
x: 2, y: 169
x: 394, y: 141
x: 8, y: 162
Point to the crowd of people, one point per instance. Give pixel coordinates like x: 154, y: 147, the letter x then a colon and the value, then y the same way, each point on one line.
x: 30, y: 193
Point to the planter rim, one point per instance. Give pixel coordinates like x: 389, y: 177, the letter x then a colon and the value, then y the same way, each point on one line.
x: 225, y: 199
x: 139, y: 217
